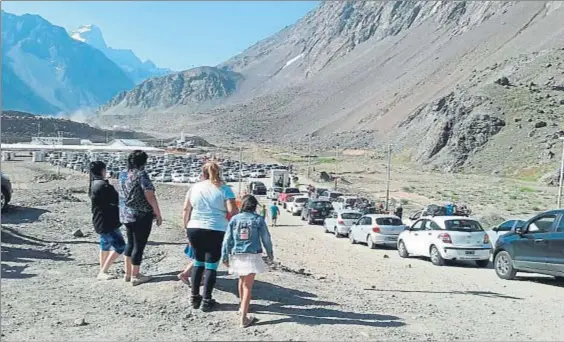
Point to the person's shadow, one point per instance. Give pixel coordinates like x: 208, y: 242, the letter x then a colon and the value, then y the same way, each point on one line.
x: 302, y: 307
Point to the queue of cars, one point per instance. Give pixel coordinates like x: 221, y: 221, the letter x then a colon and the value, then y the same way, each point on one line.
x: 516, y: 245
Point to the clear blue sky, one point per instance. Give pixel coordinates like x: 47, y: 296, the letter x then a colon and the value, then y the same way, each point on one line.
x: 177, y: 35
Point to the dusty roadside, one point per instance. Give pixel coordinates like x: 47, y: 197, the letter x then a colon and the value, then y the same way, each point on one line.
x: 323, y: 289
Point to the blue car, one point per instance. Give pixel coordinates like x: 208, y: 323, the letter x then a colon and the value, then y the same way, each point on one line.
x: 536, y: 247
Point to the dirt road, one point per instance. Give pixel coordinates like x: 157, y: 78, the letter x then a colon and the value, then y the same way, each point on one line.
x: 323, y: 289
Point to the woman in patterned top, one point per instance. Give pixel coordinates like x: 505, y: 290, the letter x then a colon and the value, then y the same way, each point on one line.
x: 138, y: 209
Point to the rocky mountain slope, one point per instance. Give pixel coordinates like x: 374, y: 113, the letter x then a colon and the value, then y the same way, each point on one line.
x: 21, y: 127
x: 45, y: 71
x: 188, y: 89
x: 137, y: 70
x: 418, y: 74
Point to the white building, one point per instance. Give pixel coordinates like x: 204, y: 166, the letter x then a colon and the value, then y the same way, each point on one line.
x: 127, y: 142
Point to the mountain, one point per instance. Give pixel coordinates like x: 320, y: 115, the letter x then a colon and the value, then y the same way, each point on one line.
x: 137, y: 70
x: 188, y: 89
x: 45, y: 71
x: 421, y: 75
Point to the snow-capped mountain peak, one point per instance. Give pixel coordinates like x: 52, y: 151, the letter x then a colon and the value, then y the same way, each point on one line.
x: 136, y: 69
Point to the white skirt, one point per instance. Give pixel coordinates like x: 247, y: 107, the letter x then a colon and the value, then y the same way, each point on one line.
x: 245, y: 264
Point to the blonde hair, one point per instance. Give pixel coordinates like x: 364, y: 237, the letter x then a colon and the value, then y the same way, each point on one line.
x: 211, y: 172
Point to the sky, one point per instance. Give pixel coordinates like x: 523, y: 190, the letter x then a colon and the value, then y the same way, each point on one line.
x: 173, y: 34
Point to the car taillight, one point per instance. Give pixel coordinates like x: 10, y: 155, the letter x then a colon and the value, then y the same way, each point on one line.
x: 341, y: 222
x: 486, y: 239
x: 444, y: 237
x: 376, y: 229
x: 313, y: 211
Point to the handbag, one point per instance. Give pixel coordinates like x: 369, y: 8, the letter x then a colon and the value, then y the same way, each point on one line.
x: 136, y: 197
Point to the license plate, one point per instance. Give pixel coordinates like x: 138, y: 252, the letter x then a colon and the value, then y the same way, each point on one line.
x: 469, y: 252
x: 391, y: 238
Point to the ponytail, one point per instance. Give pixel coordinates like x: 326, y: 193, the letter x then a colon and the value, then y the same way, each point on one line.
x: 210, y: 171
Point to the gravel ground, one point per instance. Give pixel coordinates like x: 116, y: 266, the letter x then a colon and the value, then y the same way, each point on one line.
x: 320, y: 288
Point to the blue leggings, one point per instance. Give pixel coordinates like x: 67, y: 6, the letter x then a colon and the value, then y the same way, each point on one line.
x: 206, y: 246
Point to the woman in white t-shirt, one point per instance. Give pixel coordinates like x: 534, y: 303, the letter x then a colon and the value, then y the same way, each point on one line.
x: 205, y: 213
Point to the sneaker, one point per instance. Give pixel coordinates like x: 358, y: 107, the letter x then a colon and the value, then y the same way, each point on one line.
x: 105, y: 276
x: 140, y: 279
x: 208, y: 305
x: 127, y: 278
x: 196, y: 301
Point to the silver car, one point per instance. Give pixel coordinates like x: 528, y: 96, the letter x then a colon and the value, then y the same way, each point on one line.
x: 376, y: 229
x: 340, y: 222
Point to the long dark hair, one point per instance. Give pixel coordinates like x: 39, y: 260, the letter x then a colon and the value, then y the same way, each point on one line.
x: 249, y: 204
x: 137, y: 160
x: 96, y: 169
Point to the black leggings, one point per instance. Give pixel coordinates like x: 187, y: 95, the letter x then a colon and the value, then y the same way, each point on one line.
x: 137, y: 236
x: 206, y: 245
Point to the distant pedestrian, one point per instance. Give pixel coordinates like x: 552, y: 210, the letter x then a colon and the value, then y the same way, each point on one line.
x: 263, y: 211
x: 274, y: 212
x: 138, y: 209
x: 105, y: 218
x: 399, y: 211
x: 245, y: 237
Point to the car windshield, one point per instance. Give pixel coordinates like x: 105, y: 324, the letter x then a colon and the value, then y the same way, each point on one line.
x: 292, y: 191
x: 389, y: 221
x: 335, y: 195
x: 351, y: 216
x: 321, y: 205
x: 277, y: 189
x: 350, y: 201
x: 301, y: 200
x: 463, y: 225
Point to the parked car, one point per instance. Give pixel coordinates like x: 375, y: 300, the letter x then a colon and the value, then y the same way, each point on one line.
x: 414, y: 216
x: 273, y: 193
x: 444, y: 238
x: 316, y: 211
x: 376, y: 229
x: 505, y: 227
x: 339, y: 222
x: 286, y: 193
x: 257, y: 188
x: 295, y: 207
x: 535, y: 247
x: 344, y: 202
x: 330, y: 195
x: 6, y: 191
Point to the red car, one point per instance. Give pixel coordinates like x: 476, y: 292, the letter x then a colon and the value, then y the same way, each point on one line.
x: 286, y: 193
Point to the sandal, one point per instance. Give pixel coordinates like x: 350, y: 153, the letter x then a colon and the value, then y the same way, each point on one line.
x: 248, y: 322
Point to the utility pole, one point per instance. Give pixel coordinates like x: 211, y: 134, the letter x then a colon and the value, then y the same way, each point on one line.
x: 38, y: 129
x: 336, y: 165
x: 561, y: 181
x: 240, y: 170
x: 309, y: 158
x: 388, y: 177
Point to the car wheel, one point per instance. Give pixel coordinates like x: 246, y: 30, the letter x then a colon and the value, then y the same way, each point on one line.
x: 336, y: 232
x: 370, y: 243
x: 4, y: 200
x: 284, y: 206
x: 436, y: 257
x: 402, y: 250
x: 325, y: 227
x: 482, y: 263
x: 503, y: 265
x: 351, y: 239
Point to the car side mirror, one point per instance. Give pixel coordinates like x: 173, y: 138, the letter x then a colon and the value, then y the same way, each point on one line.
x: 519, y: 230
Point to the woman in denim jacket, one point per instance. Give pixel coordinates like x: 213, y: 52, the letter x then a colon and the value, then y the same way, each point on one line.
x: 242, y: 251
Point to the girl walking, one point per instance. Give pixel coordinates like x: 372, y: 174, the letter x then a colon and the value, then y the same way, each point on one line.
x: 245, y: 237
x: 105, y: 218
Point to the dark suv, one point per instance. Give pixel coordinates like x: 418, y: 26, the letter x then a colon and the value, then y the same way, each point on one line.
x: 536, y: 247
x: 316, y: 211
x: 6, y: 192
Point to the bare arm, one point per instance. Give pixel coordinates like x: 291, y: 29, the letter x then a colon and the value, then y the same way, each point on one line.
x: 152, y: 199
x: 187, y: 211
x: 231, y: 207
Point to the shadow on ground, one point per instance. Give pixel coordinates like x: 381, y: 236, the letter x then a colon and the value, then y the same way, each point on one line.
x: 293, y: 304
x: 541, y: 280
x: 15, y: 272
x: 17, y: 215
x: 471, y: 293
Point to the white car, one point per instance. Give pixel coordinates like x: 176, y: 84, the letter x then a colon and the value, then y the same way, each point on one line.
x: 446, y: 238
x: 273, y: 193
x: 344, y: 202
x: 254, y: 174
x: 296, y: 206
x: 376, y: 229
x: 504, y: 228
x: 340, y: 222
